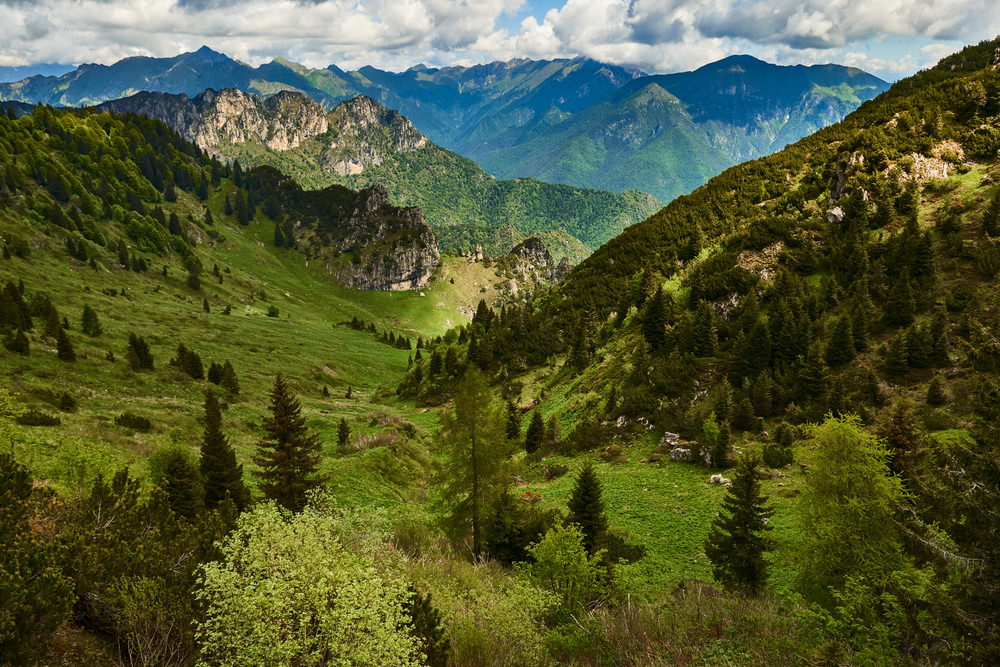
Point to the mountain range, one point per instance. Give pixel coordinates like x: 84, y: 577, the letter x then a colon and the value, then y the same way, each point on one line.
x: 360, y: 144
x: 575, y: 121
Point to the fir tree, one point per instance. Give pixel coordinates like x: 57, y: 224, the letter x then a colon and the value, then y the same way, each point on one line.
x: 139, y: 356
x: 427, y: 629
x: 513, y: 421
x: 204, y: 305
x: 349, y: 392
x: 553, y: 433
x: 935, y: 391
x: 64, y: 348
x: 840, y: 351
x: 227, y: 378
x: 738, y: 541
x: 939, y: 338
x: 895, y: 358
x: 586, y: 509
x: 706, y: 339
x: 343, y: 434
x: 535, y: 433
x: 89, y: 324
x: 900, y: 306
x: 991, y: 216
x: 289, y: 454
x: 180, y: 482
x: 723, y: 445
x: 654, y: 321
x: 219, y: 471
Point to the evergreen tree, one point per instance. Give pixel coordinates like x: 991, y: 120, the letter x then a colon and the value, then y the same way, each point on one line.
x: 654, y: 321
x: 935, y: 392
x: 895, y: 358
x: 64, y: 348
x: 227, y: 378
x: 139, y: 356
x: 89, y: 324
x: 918, y: 346
x: 738, y: 541
x: 220, y: 473
x: 723, y: 445
x: 349, y: 392
x: 513, y: 422
x: 939, y: 338
x: 289, y: 454
x: 900, y: 306
x: 991, y: 216
x: 840, y: 351
x: 586, y: 509
x: 180, y: 482
x: 475, y: 439
x: 343, y: 434
x: 706, y: 339
x: 535, y: 433
x: 18, y: 343
x: 204, y: 305
x: 812, y: 376
x: 426, y: 627
x: 553, y: 434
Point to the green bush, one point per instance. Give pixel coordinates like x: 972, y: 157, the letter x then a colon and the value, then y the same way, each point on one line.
x: 134, y: 422
x: 37, y: 418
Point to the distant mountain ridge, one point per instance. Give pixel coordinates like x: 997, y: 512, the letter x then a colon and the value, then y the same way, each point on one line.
x: 575, y: 121
x: 360, y: 143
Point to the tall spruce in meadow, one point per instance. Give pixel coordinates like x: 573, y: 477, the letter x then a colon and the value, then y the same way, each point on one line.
x: 895, y: 358
x: 535, y: 433
x: 738, y: 541
x: 227, y: 378
x: 991, y: 216
x: 180, y: 482
x: 18, y: 343
x: 935, y: 392
x: 64, y: 348
x: 343, y: 434
x: 513, y: 421
x: 586, y: 509
x: 220, y: 473
x: 939, y: 338
x: 840, y: 350
x: 89, y: 323
x: 654, y: 321
x: 289, y: 455
x: 138, y: 354
x: 475, y: 438
x: 706, y: 339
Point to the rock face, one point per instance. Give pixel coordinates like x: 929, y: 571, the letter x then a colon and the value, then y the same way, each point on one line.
x: 364, y: 131
x: 533, y: 256
x: 213, y: 118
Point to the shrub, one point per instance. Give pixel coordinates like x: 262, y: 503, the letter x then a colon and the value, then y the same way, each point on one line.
x: 37, y: 418
x: 134, y: 422
x: 272, y: 311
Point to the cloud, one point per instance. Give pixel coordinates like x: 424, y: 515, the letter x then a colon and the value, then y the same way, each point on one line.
x: 655, y: 35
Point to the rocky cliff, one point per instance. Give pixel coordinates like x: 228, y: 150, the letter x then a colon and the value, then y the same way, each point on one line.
x: 215, y: 118
x: 360, y: 238
x: 364, y: 132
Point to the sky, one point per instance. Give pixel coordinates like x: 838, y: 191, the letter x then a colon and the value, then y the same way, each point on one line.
x: 889, y: 38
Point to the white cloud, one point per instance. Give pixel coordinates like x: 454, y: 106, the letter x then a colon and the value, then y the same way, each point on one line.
x: 656, y: 35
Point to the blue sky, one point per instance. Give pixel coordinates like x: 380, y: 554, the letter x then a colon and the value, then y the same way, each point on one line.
x: 890, y: 38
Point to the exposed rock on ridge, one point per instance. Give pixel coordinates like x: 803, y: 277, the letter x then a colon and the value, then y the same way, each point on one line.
x: 363, y: 131
x: 213, y: 118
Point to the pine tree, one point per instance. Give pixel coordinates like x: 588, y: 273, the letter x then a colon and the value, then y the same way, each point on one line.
x: 553, y: 434
x: 180, y: 482
x: 706, y: 339
x: 939, y: 338
x: 64, y: 348
x: 204, y: 305
x: 723, y: 445
x: 220, y: 473
x: 18, y: 343
x: 289, y: 454
x: 343, y: 434
x: 738, y: 541
x: 349, y: 392
x: 89, y: 324
x: 895, y: 358
x: 840, y: 351
x: 535, y: 433
x: 991, y: 216
x: 586, y: 509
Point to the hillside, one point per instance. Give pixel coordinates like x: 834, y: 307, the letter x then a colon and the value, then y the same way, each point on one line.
x: 848, y: 280
x: 361, y: 143
x: 572, y: 121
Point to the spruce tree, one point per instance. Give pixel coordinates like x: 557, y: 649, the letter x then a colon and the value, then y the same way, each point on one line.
x: 738, y: 541
x: 586, y: 509
x: 535, y: 433
x: 89, y: 323
x: 227, y: 378
x: 180, y: 482
x: 723, y: 445
x: 426, y: 627
x: 840, y: 350
x: 219, y: 471
x: 895, y: 358
x: 654, y: 321
x: 991, y: 216
x: 935, y: 391
x: 900, y: 306
x: 289, y: 454
x: 706, y: 339
x: 139, y: 356
x: 343, y: 434
x: 64, y: 348
x: 18, y: 343
x: 513, y: 421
